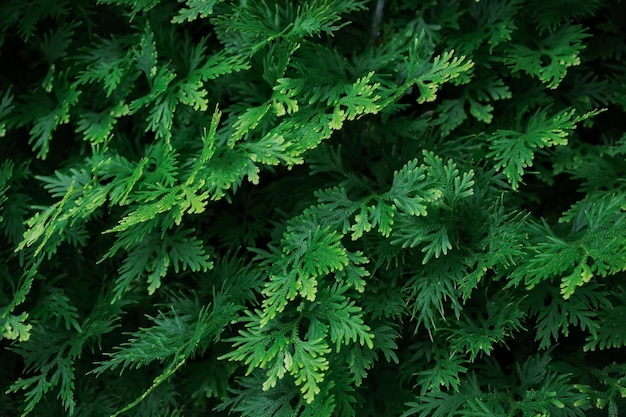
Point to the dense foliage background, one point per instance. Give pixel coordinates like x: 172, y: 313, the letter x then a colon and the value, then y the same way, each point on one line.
x: 312, y: 208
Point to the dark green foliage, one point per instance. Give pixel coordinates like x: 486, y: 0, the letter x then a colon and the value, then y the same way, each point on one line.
x: 314, y: 208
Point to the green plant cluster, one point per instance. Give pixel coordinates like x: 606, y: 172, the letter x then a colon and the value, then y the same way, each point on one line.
x: 313, y: 208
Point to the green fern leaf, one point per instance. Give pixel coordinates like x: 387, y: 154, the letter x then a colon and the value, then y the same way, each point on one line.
x: 15, y: 327
x: 562, y: 49
x: 6, y: 106
x: 195, y: 9
x: 308, y: 366
x: 514, y: 151
x: 343, y: 318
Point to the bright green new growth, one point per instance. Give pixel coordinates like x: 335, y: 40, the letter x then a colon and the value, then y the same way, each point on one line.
x: 315, y: 208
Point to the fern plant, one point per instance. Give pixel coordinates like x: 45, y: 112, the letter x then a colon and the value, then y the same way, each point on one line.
x: 317, y: 208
